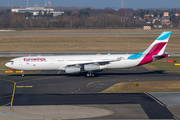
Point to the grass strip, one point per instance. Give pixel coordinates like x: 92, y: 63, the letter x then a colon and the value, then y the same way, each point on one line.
x: 144, y: 86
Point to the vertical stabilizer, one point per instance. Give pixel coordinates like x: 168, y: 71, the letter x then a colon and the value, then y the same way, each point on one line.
x: 155, y: 49
x: 159, y: 45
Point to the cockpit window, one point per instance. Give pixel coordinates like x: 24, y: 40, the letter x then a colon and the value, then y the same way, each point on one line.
x: 11, y: 61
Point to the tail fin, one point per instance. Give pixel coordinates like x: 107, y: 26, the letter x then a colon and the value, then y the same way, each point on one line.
x: 155, y: 49
x: 159, y: 45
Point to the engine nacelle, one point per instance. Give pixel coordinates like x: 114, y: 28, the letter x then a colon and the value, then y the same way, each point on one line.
x: 72, y: 69
x: 91, y: 67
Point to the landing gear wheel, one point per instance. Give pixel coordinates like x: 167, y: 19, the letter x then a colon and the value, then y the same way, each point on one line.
x: 89, y: 74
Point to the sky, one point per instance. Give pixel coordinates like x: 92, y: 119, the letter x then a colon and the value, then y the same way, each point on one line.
x: 98, y: 3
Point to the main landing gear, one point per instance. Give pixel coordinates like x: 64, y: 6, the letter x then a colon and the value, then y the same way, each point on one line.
x: 89, y: 74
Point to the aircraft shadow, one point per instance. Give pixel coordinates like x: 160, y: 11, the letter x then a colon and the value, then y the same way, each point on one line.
x: 96, y: 74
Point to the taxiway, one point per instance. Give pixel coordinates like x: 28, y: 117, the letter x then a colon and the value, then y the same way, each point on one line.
x: 70, y: 91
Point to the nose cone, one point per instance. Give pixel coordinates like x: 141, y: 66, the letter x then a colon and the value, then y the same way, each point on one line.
x: 7, y: 65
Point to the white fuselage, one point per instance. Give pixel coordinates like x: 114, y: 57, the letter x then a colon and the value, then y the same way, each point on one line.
x: 61, y: 62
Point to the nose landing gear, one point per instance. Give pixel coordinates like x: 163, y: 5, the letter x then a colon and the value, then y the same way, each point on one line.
x: 22, y: 73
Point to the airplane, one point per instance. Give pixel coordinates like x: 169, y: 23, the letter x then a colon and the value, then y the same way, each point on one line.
x: 92, y: 63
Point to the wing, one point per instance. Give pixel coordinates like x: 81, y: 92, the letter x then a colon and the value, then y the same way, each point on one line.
x: 95, y: 63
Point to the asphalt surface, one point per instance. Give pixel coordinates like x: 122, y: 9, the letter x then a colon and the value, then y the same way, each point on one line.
x: 168, y: 98
x: 51, y: 88
x: 153, y: 109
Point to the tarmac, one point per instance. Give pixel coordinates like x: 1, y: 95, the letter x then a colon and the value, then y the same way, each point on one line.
x: 54, y: 96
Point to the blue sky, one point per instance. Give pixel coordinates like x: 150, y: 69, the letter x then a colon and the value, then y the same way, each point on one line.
x: 98, y: 3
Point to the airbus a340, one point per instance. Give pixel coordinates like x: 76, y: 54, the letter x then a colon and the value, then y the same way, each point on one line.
x: 92, y: 63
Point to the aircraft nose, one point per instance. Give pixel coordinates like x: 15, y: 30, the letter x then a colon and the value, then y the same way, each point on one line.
x: 7, y: 65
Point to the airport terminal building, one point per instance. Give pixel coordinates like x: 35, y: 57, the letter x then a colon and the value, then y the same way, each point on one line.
x: 35, y: 11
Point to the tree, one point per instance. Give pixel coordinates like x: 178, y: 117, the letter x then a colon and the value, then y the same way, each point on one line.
x: 157, y: 22
x: 142, y: 14
x: 45, y: 14
x: 27, y: 14
x: 68, y: 13
x: 40, y: 13
x: 161, y: 14
x: 8, y: 10
x: 147, y: 11
x: 84, y: 12
x: 155, y: 14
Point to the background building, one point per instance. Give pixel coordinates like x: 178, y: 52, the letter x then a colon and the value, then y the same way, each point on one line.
x: 166, y: 20
x: 35, y: 11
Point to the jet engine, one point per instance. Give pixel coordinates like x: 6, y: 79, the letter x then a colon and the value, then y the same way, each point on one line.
x: 72, y: 69
x: 91, y: 67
